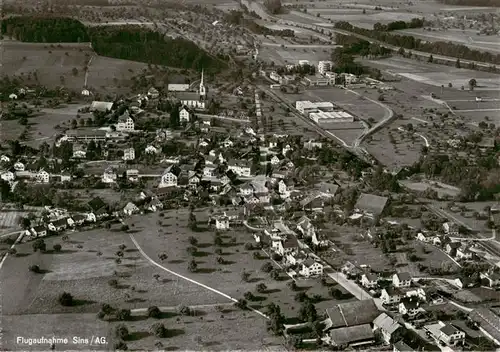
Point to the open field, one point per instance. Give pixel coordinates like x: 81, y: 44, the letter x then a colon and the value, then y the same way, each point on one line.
x: 469, y: 38
x: 52, y: 65
x: 436, y: 75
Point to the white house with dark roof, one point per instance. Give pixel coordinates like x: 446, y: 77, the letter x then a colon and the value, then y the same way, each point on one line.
x: 239, y: 167
x: 125, y: 123
x: 19, y: 166
x: 401, y: 280
x: 410, y: 307
x: 390, y: 296
x: 109, y: 175
x: 130, y: 209
x: 42, y: 176
x: 128, y: 154
x: 369, y: 280
x: 451, y: 335
x: 184, y: 114
x: 288, y: 245
x: 310, y: 267
x: 388, y: 327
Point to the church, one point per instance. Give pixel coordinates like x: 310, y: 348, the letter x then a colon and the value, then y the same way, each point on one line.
x: 195, y: 100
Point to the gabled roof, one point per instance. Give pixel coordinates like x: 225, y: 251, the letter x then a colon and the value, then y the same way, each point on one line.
x: 371, y: 203
x: 290, y: 242
x: 309, y: 262
x: 60, y: 222
x: 386, y: 323
x: 351, y: 334
x: 124, y: 117
x: 449, y: 329
x: 402, y: 347
x: 353, y: 313
x: 96, y: 204
x: 371, y: 276
x: 403, y: 276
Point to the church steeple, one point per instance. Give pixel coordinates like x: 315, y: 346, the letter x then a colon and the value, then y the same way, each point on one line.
x: 202, y: 91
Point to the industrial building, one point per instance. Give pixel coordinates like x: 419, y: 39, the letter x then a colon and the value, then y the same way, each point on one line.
x: 306, y: 107
x: 332, y: 116
x: 317, y: 80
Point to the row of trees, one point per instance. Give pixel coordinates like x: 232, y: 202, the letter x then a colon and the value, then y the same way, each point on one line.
x: 398, y: 25
x: 411, y: 43
x: 493, y: 3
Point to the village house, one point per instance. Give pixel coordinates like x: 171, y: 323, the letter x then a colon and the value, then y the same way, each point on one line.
x: 358, y: 336
x: 227, y: 143
x: 109, y: 175
x: 19, y: 166
x: 491, y: 278
x: 451, y: 229
x: 132, y: 175
x: 184, y: 115
x: 464, y: 282
x: 464, y: 252
x: 283, y: 247
x: 42, y: 176
x: 369, y: 280
x: 222, y: 223
x: 170, y: 176
x: 451, y: 248
x: 150, y: 149
x: 154, y: 205
x: 390, y: 296
x: 389, y: 328
x: 130, y: 209
x: 409, y: 307
x: 4, y: 159
x: 58, y: 225
x: 401, y: 280
x: 79, y: 151
x: 8, y: 176
x: 125, y: 123
x: 451, y: 335
x: 128, y: 154
x: 79, y: 219
x: 310, y: 267
x: 90, y: 217
x: 418, y: 293
x: 296, y: 258
x: 153, y: 93
x: 37, y: 231
x: 239, y: 167
x: 400, y: 346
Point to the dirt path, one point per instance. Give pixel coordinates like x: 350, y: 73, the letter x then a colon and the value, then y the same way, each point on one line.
x: 188, y: 279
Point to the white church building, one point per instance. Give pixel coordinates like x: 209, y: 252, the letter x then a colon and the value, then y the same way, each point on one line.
x: 195, y: 100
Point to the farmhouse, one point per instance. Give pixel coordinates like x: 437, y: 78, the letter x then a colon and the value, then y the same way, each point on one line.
x: 184, y: 114
x: 409, y: 307
x: 369, y: 280
x: 451, y: 335
x: 125, y: 123
x: 388, y: 327
x: 352, y: 336
x: 170, y: 176
x: 59, y: 225
x: 401, y: 280
x: 101, y: 106
x: 130, y: 209
x: 128, y: 154
x: 390, y: 296
x: 310, y: 267
x: 351, y: 314
x: 370, y: 205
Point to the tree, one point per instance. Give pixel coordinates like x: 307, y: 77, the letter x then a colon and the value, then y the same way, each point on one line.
x: 241, y: 304
x: 124, y: 314
x: 292, y: 285
x: 57, y: 247
x: 431, y: 59
x: 457, y: 63
x: 192, y: 250
x: 192, y: 266
x: 154, y: 312
x: 273, y: 6
x: 192, y: 223
x: 193, y: 241
x: 261, y: 288
x: 158, y: 330
x: 13, y: 251
x: 74, y: 71
x: 121, y: 346
x: 218, y: 240
x: 472, y: 84
x: 266, y: 267
x: 121, y: 331
x: 275, y: 274
x: 113, y: 283
x: 249, y: 296
x: 66, y: 299
x: 245, y: 276
x: 308, y: 312
x: 39, y: 244
x: 35, y: 269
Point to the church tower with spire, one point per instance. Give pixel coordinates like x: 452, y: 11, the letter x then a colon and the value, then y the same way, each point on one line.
x: 202, y: 91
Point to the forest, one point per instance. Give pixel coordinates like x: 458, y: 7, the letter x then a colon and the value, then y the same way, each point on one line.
x: 410, y: 43
x: 121, y: 42
x: 143, y: 45
x: 45, y: 30
x: 238, y: 18
x: 493, y: 3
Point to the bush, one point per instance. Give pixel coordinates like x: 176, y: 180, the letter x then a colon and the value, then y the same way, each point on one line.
x: 57, y: 247
x: 158, y: 330
x: 121, y: 346
x: 276, y: 257
x: 39, y: 244
x: 261, y: 288
x: 121, y: 331
x: 66, y: 299
x: 154, y: 312
x: 35, y: 269
x: 266, y: 267
x: 124, y: 314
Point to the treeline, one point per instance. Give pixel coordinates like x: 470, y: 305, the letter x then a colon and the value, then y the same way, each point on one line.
x: 143, y: 45
x: 398, y: 25
x: 410, y: 43
x: 493, y: 3
x: 343, y: 56
x: 45, y: 30
x: 238, y: 18
x: 122, y: 42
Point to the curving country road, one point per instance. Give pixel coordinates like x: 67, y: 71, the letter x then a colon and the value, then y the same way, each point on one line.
x: 141, y: 251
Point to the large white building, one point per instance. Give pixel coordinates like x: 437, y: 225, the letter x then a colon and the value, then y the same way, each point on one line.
x: 306, y: 107
x: 125, y: 123
x: 331, y: 116
x: 324, y: 66
x: 174, y: 87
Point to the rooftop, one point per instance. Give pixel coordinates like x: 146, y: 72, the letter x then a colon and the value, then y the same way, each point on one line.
x: 351, y: 334
x: 353, y: 313
x: 386, y: 323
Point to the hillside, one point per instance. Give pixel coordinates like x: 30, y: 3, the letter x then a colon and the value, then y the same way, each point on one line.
x: 493, y: 3
x: 121, y: 42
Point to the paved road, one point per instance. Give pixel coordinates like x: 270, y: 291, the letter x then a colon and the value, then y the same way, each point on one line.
x: 188, y: 279
x: 417, y: 134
